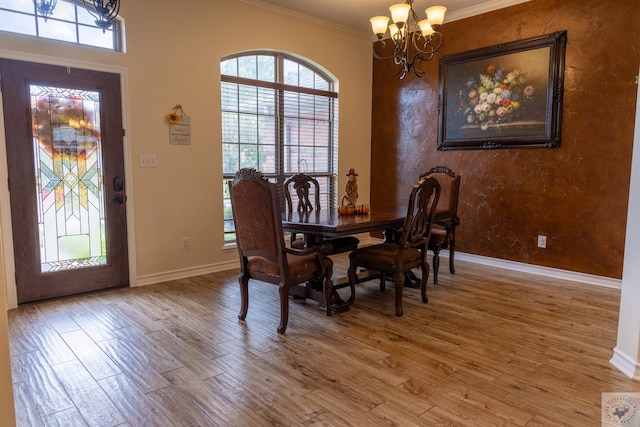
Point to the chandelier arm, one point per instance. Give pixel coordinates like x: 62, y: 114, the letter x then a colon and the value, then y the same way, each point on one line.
x: 429, y: 43
x: 396, y: 52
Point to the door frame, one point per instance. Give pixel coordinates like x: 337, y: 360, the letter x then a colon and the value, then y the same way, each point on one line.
x: 5, y: 205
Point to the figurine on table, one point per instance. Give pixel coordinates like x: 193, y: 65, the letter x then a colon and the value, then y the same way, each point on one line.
x: 352, y: 188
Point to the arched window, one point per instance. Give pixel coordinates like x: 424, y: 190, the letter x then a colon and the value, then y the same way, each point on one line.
x: 279, y: 116
x: 69, y: 22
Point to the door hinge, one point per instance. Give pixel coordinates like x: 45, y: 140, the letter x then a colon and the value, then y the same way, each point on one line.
x: 124, y: 133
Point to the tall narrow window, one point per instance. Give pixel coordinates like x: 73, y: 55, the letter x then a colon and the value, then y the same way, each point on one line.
x: 279, y: 116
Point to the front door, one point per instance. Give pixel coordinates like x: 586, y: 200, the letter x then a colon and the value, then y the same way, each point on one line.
x: 64, y: 137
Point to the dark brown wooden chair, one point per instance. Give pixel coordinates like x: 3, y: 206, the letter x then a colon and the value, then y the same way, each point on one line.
x: 411, y: 249
x: 443, y: 233
x: 260, y: 241
x: 303, y: 191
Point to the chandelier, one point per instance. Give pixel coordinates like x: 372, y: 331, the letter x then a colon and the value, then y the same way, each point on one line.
x: 104, y: 11
x: 414, y: 41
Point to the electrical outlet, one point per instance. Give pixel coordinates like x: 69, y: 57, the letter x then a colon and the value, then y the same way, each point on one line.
x: 148, y: 161
x: 542, y: 241
x: 185, y: 244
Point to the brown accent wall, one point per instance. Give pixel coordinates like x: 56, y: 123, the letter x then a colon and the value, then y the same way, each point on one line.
x: 577, y: 194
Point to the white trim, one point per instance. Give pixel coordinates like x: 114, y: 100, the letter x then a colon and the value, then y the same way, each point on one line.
x: 479, y: 9
x: 184, y: 273
x: 556, y: 273
x: 5, y: 205
x: 625, y: 364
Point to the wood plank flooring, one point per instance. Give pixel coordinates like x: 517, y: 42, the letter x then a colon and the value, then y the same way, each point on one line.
x: 492, y: 347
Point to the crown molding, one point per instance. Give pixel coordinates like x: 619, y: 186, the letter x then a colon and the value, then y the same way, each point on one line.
x: 479, y: 9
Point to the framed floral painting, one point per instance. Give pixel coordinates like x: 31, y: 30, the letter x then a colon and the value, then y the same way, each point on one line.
x: 503, y: 96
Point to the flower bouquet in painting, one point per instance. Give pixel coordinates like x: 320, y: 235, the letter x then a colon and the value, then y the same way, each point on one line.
x: 494, y: 97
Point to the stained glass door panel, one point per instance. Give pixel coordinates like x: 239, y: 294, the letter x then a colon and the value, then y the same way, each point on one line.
x: 65, y: 161
x: 68, y: 173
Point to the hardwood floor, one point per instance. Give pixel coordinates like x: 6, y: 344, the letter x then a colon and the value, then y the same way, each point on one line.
x: 492, y: 347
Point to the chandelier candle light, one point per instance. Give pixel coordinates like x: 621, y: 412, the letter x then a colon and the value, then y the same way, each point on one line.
x: 414, y: 41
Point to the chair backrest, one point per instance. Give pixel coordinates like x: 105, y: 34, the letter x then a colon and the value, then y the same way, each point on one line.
x: 450, y: 189
x: 420, y: 212
x: 305, y: 188
x: 256, y: 214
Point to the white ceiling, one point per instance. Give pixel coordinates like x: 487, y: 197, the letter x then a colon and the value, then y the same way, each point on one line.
x: 355, y: 14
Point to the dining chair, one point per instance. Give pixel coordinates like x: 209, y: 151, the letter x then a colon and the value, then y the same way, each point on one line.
x: 304, y: 191
x: 443, y: 233
x: 261, y: 247
x: 411, y: 249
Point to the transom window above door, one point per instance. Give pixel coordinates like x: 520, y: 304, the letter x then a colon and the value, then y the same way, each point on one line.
x: 279, y: 116
x: 69, y: 22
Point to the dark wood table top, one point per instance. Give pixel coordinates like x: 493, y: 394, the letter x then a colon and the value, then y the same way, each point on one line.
x: 328, y: 223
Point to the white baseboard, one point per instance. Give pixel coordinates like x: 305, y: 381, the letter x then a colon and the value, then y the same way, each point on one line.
x: 186, y: 272
x: 625, y: 364
x: 366, y: 240
x: 555, y: 273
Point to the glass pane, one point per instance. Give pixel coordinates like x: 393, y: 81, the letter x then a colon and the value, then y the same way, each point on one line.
x: 249, y: 156
x: 248, y: 126
x: 229, y: 67
x: 291, y: 104
x: 230, y: 127
x: 17, y: 23
x: 94, y: 36
x: 267, y: 101
x: 229, y: 96
x: 57, y: 30
x: 65, y: 11
x: 321, y: 83
x: 20, y: 5
x: 248, y: 98
x: 84, y: 17
x: 230, y: 158
x: 322, y: 108
x: 266, y: 130
x: 68, y: 170
x: 247, y: 67
x: 290, y: 72
x: 320, y: 159
x: 267, y: 68
x: 267, y: 158
x: 306, y: 77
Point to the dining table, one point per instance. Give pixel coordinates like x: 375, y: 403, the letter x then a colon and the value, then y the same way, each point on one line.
x: 318, y: 225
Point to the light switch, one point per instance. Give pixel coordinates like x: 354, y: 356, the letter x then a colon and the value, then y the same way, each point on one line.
x: 148, y: 161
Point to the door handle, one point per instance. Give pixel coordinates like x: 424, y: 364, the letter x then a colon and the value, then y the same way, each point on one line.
x: 118, y: 184
x: 119, y: 199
